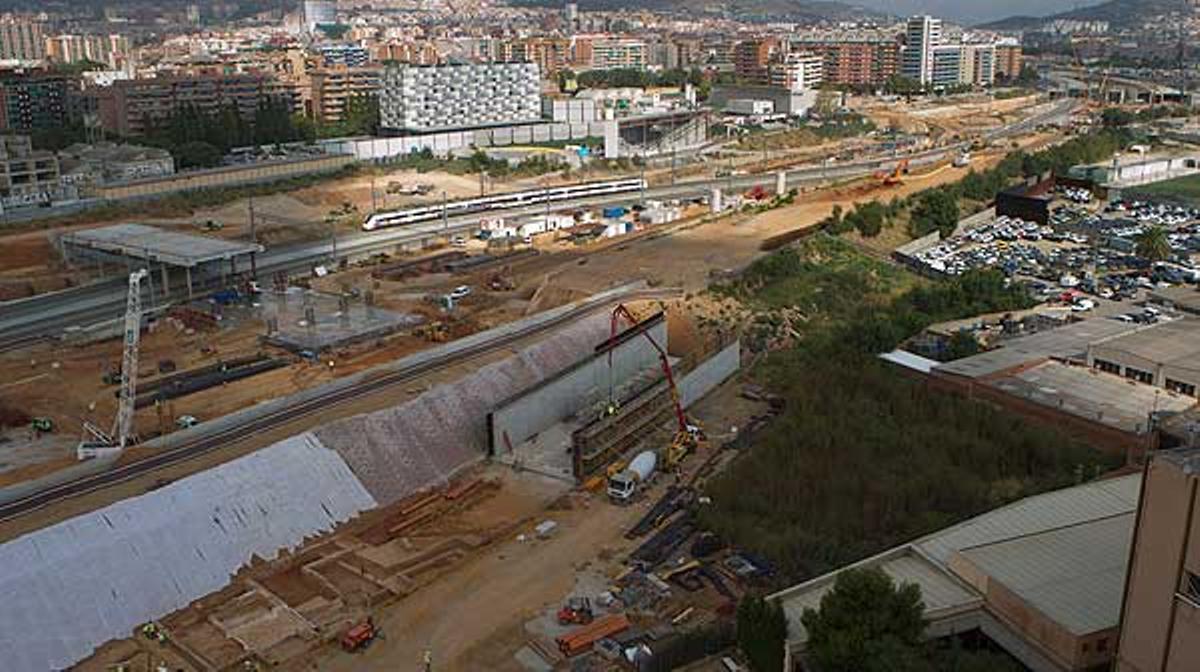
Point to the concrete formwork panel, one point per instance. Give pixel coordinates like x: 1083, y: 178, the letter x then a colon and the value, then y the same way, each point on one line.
x: 580, y: 387
x: 711, y: 373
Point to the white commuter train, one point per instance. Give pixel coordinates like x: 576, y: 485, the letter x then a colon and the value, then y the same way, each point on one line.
x: 514, y: 199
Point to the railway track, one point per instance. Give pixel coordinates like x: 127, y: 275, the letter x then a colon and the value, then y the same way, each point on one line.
x: 51, y: 314
x: 211, y: 441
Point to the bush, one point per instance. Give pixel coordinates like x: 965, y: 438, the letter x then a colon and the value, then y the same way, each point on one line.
x: 197, y: 154
x: 761, y: 632
x: 862, y: 459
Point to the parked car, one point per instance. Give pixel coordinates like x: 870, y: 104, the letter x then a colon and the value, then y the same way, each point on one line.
x: 460, y: 292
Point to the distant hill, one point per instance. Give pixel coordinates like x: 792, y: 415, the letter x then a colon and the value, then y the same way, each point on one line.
x: 789, y: 10
x: 1119, y: 14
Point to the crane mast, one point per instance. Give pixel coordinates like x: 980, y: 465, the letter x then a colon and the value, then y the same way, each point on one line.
x: 122, y: 433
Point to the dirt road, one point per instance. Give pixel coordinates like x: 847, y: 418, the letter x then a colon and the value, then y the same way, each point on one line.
x: 473, y: 619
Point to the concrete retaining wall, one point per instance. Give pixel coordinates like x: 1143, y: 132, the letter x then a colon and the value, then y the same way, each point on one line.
x: 711, y: 373
x: 231, y: 176
x: 581, y: 386
x: 443, y: 144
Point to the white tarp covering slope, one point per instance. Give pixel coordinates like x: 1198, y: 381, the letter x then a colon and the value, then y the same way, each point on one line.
x: 398, y: 451
x: 69, y: 588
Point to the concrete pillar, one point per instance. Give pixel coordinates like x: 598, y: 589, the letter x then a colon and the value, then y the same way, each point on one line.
x: 166, y: 286
x: 188, y: 270
x: 714, y: 200
x: 233, y: 266
x: 781, y: 183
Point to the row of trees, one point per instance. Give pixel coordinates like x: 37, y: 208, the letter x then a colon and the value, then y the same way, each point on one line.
x: 937, y: 209
x: 940, y: 208
x: 197, y: 138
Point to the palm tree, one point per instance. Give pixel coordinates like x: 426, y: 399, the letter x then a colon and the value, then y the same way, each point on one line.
x: 1153, y: 244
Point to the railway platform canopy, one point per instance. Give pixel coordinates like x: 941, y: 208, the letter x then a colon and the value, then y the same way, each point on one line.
x: 139, y: 245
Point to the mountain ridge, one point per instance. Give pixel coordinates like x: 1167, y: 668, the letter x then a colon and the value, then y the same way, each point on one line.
x: 1119, y: 14
x: 762, y: 10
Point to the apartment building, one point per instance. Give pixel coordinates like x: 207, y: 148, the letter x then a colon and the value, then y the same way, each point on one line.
x: 350, y: 55
x: 751, y: 58
x: 946, y: 67
x: 1160, y: 617
x: 977, y: 64
x: 35, y: 99
x: 797, y: 71
x: 862, y: 61
x: 112, y: 50
x: 22, y: 40
x: 333, y: 87
x: 413, y: 53
x: 1009, y: 59
x: 459, y: 96
x: 922, y: 36
x: 551, y: 55
x: 126, y: 107
x: 318, y: 13
x: 27, y: 176
x: 609, y: 53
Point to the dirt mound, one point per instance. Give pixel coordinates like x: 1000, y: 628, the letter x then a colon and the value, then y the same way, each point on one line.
x: 549, y: 295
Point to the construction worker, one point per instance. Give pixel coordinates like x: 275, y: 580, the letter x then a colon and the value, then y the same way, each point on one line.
x: 428, y: 660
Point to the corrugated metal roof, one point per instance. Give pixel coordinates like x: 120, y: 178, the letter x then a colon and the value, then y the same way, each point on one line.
x: 1063, y: 342
x: 1073, y: 575
x: 940, y: 590
x: 1061, y: 512
x: 1060, y: 508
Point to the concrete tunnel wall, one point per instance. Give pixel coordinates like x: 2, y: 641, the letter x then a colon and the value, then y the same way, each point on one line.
x: 710, y: 373
x: 539, y: 408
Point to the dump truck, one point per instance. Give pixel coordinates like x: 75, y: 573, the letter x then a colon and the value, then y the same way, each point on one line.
x: 581, y: 640
x: 623, y: 485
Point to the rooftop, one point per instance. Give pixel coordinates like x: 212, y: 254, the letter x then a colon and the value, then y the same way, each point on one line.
x: 152, y: 244
x: 1066, y: 342
x: 1073, y: 575
x: 1103, y: 397
x: 1175, y: 343
x: 1064, y: 529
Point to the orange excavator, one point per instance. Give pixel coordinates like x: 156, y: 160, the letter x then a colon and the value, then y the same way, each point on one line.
x: 686, y: 437
x: 894, y: 178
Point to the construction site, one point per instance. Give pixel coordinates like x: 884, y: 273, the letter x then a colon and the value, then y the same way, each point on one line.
x: 349, y: 464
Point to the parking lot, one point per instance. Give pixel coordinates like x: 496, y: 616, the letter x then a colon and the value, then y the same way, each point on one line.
x: 1084, y: 258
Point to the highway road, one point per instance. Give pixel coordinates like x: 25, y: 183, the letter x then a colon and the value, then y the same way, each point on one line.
x: 27, y: 320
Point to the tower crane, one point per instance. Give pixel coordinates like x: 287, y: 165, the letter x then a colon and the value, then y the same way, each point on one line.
x: 122, y: 434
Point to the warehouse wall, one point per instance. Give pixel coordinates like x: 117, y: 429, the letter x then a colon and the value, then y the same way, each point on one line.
x: 572, y: 391
x: 711, y: 373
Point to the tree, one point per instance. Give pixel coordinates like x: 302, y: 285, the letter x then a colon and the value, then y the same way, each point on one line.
x: 936, y: 210
x: 1113, y: 117
x: 197, y: 154
x: 761, y: 633
x: 962, y: 344
x: 1153, y: 244
x: 866, y: 623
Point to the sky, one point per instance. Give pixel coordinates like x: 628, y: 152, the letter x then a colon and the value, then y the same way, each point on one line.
x: 974, y: 11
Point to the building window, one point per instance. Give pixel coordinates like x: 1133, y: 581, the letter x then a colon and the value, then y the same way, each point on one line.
x: 1106, y: 366
x: 1139, y: 375
x: 1181, y: 387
